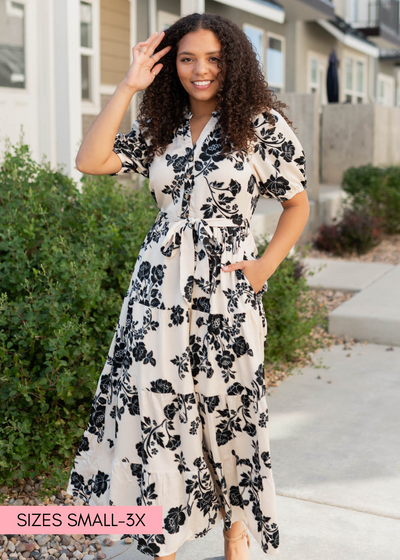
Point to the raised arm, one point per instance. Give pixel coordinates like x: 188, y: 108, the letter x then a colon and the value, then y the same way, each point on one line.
x: 95, y: 155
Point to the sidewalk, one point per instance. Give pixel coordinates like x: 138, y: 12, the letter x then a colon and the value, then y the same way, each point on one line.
x: 373, y: 313
x: 336, y: 461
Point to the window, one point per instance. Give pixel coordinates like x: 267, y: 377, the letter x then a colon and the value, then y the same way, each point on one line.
x: 12, y: 44
x: 87, y: 51
x: 354, y: 90
x: 256, y: 37
x: 270, y: 49
x: 385, y: 90
x: 275, y: 62
x: 317, y: 68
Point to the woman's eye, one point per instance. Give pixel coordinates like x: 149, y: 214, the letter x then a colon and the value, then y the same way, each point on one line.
x: 212, y: 58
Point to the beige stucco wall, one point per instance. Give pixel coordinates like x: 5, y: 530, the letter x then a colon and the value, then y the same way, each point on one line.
x: 347, y: 139
x: 386, y: 135
x: 308, y: 36
x: 304, y: 114
x: 354, y: 135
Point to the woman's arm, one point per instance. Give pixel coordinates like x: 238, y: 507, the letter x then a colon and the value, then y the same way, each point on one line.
x: 291, y: 223
x: 96, y: 156
x: 296, y: 212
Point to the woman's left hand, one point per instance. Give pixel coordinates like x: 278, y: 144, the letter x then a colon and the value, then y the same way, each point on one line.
x: 253, y: 270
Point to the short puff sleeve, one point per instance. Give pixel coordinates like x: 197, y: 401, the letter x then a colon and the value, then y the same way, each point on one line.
x: 132, y: 150
x: 278, y: 158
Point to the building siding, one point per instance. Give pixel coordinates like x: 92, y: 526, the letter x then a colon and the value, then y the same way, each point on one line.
x: 115, y: 46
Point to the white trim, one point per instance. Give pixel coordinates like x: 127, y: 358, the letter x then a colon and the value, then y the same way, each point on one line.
x: 31, y: 75
x: 67, y: 77
x: 152, y: 15
x: 261, y: 10
x: 398, y: 88
x: 354, y: 92
x: 322, y: 65
x: 190, y: 6
x: 282, y: 39
x: 133, y: 40
x: 44, y: 74
x: 388, y: 81
x: 349, y: 40
x: 93, y: 106
x: 14, y: 12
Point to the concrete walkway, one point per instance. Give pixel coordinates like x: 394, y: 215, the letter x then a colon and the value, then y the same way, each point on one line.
x: 344, y: 275
x: 336, y: 461
x: 373, y: 314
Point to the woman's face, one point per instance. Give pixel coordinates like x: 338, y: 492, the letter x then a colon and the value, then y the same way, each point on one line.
x: 197, y: 61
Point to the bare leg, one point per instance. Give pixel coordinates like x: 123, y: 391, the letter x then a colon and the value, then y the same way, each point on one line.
x: 169, y: 557
x: 235, y: 550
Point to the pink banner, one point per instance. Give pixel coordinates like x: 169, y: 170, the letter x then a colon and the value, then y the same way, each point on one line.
x: 85, y: 520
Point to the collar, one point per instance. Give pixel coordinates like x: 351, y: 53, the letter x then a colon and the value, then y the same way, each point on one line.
x: 189, y: 114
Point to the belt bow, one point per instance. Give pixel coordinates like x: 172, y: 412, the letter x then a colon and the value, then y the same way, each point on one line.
x: 181, y: 235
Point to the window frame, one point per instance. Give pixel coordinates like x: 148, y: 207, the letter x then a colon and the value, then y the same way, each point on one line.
x: 353, y: 92
x: 265, y: 35
x: 282, y: 39
x: 92, y: 106
x: 322, y: 64
x: 263, y: 43
x: 388, y: 80
x: 10, y: 11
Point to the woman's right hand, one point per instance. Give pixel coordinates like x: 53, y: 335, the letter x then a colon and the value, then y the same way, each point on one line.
x: 140, y: 74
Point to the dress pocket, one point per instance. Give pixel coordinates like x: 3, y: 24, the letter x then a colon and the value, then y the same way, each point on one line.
x: 242, y: 275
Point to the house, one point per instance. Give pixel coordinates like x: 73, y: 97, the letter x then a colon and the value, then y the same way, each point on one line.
x: 61, y: 60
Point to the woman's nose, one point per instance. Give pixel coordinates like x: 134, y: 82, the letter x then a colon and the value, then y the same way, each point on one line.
x: 200, y: 68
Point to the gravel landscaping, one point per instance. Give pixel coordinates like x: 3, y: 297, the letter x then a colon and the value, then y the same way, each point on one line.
x: 51, y: 547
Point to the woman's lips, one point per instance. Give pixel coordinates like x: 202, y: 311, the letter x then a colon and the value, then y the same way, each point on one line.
x: 202, y: 87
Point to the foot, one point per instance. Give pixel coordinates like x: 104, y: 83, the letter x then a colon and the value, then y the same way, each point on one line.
x: 237, y: 550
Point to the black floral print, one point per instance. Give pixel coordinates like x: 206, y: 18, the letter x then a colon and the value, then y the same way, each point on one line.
x: 180, y: 417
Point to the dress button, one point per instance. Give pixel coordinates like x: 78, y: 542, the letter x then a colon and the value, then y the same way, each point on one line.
x: 186, y: 196
x: 184, y: 215
x: 191, y: 159
x: 188, y: 175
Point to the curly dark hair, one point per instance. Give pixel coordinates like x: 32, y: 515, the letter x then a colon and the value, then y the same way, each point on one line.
x: 243, y: 94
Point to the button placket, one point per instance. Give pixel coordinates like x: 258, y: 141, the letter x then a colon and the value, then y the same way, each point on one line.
x: 188, y: 187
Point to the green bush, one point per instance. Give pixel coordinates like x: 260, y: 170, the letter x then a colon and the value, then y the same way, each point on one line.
x: 66, y: 260
x: 375, y: 191
x: 292, y: 313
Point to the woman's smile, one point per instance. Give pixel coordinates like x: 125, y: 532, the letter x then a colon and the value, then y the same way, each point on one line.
x: 202, y: 84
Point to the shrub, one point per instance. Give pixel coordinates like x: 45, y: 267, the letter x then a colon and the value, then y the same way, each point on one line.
x: 66, y: 260
x: 292, y: 313
x: 355, y: 232
x: 376, y: 192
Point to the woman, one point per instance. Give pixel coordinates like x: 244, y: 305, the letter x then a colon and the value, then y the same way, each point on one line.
x: 180, y: 418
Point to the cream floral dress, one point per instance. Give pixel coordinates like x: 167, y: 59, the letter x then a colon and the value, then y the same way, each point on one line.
x: 180, y: 416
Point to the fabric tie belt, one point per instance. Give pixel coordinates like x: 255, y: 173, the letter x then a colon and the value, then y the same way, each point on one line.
x: 182, y: 235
